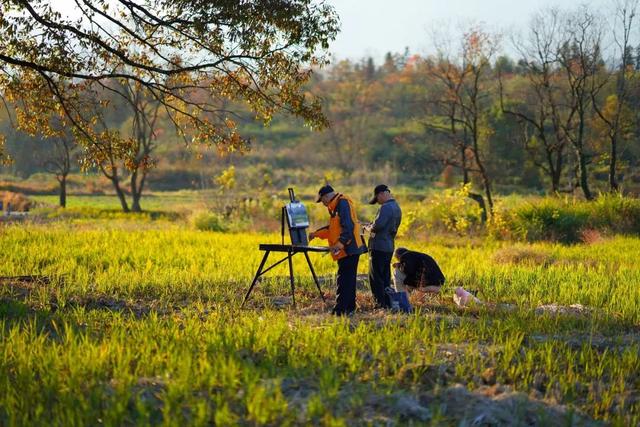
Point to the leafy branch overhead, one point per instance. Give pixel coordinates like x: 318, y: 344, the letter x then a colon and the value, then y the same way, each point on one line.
x: 192, y: 57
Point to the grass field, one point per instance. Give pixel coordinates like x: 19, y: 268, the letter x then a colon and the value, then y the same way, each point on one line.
x: 139, y: 323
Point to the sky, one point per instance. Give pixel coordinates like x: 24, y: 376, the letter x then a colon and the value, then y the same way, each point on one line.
x: 374, y: 27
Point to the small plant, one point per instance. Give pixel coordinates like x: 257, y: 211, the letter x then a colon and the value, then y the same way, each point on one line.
x: 208, y: 221
x: 227, y: 179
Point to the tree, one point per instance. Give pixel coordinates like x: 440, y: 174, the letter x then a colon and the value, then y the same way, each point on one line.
x: 60, y: 161
x: 443, y: 109
x: 38, y: 114
x: 478, y: 50
x: 611, y: 110
x: 537, y: 105
x: 104, y: 147
x: 390, y: 64
x: 143, y: 134
x: 351, y: 104
x: 253, y: 52
x: 369, y: 69
x: 463, y: 99
x: 579, y: 56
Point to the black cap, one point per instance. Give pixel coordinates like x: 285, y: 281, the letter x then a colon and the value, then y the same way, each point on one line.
x: 379, y: 189
x: 324, y: 190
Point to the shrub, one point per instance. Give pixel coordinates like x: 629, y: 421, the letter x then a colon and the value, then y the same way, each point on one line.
x: 571, y: 220
x: 208, y: 221
x: 450, y: 210
x: 549, y: 219
x: 615, y: 213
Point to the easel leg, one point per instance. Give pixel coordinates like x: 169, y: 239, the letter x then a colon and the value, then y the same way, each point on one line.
x: 315, y: 278
x: 255, y: 279
x: 293, y: 286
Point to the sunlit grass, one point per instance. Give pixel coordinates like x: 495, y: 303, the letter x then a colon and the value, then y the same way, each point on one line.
x: 193, y: 357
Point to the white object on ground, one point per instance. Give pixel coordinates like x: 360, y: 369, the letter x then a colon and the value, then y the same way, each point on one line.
x: 463, y: 298
x: 398, y: 280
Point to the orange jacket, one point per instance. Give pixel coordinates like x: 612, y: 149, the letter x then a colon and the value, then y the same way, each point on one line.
x: 352, y: 241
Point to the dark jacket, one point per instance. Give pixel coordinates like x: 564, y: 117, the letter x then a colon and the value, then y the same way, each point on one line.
x: 420, y: 269
x: 385, y: 227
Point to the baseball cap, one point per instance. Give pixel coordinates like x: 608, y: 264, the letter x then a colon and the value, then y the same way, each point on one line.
x: 324, y: 190
x: 379, y: 189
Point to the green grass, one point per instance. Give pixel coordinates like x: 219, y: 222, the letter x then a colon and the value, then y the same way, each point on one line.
x: 175, y: 200
x: 140, y: 325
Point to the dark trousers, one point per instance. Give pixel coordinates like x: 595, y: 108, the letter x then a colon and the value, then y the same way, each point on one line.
x: 380, y: 275
x: 346, y: 293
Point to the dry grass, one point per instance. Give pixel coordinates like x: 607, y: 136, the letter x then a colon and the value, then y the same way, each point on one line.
x: 521, y: 254
x: 16, y: 201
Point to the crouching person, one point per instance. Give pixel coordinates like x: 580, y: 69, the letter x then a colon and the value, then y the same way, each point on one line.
x: 345, y: 245
x: 415, y: 270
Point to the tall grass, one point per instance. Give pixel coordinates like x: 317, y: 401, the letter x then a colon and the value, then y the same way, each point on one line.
x: 555, y: 219
x: 193, y: 357
x: 565, y: 219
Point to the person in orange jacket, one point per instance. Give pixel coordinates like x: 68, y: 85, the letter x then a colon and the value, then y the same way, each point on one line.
x: 345, y: 244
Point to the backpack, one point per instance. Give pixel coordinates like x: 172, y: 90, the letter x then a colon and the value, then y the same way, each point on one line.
x: 399, y: 301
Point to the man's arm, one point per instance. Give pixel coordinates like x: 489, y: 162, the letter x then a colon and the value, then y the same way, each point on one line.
x: 382, y: 219
x: 320, y: 233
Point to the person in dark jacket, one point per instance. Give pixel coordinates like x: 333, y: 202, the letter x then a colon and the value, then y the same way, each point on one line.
x: 415, y: 270
x: 345, y: 245
x: 383, y: 232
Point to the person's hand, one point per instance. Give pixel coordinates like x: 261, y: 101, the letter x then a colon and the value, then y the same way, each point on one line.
x: 312, y: 236
x: 336, y: 248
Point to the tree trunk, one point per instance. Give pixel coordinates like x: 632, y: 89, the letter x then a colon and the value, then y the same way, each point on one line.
x: 486, y: 183
x: 136, y: 191
x: 555, y: 182
x: 551, y: 170
x: 480, y: 200
x: 135, y: 203
x: 557, y: 172
x: 120, y: 193
x: 613, y: 180
x: 582, y: 175
x: 487, y: 192
x: 63, y: 191
x: 465, y: 172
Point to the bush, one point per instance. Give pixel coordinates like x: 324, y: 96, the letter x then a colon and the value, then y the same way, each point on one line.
x: 571, y: 220
x: 450, y: 210
x: 565, y: 220
x: 548, y: 220
x: 615, y: 213
x: 208, y: 221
